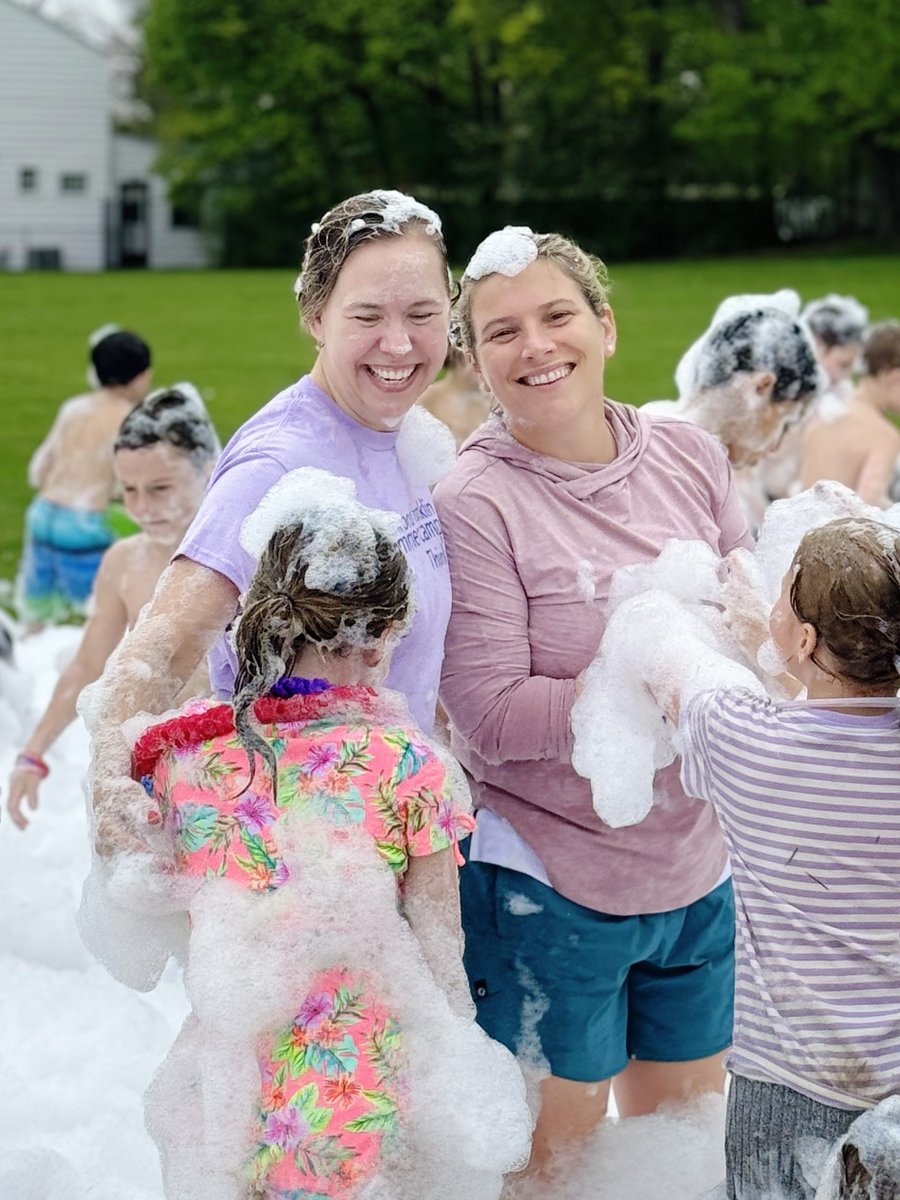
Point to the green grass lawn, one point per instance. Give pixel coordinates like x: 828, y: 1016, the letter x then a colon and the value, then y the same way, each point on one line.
x: 235, y: 334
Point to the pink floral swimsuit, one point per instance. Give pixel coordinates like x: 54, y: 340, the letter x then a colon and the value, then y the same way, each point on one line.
x: 331, y: 1081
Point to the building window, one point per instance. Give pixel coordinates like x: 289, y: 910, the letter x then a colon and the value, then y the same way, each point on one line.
x: 73, y: 183
x: 28, y: 179
x: 44, y: 258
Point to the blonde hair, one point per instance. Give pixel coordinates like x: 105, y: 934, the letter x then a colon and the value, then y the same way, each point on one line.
x: 588, y: 272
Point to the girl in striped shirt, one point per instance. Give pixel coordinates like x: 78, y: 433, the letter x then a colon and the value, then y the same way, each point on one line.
x: 808, y: 796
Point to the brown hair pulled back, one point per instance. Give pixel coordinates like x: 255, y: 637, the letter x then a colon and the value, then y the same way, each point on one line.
x: 281, y: 615
x: 846, y: 585
x: 342, y: 230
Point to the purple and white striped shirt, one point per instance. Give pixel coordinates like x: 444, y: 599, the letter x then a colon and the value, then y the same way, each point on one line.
x: 809, y: 803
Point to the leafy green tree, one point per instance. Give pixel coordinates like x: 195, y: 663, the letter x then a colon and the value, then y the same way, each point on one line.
x: 638, y: 127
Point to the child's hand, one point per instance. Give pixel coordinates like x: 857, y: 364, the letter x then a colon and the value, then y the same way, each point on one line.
x: 24, y: 783
x: 125, y: 818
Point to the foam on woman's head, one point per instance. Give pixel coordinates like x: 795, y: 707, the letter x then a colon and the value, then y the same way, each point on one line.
x: 359, y: 219
x: 177, y: 416
x: 509, y: 252
x: 506, y: 251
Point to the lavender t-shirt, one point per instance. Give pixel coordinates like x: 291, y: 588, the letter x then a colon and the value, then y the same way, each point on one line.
x: 303, y: 427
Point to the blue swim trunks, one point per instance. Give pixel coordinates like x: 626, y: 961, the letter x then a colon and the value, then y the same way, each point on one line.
x: 588, y: 991
x: 63, y: 549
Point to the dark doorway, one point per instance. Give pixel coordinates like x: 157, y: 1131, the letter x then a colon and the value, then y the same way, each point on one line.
x: 134, y: 223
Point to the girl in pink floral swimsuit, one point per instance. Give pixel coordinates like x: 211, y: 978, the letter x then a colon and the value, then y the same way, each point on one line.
x: 346, y: 783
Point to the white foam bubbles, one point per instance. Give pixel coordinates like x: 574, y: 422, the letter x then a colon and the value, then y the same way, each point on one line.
x: 340, y: 548
x: 399, y: 209
x: 875, y: 1137
x: 507, y: 251
x: 78, y: 1049
x: 425, y: 447
x: 656, y: 647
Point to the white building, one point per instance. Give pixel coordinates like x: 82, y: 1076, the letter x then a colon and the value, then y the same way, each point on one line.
x: 74, y: 194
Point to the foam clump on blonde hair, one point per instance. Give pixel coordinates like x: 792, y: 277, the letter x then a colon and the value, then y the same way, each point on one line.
x: 516, y: 247
x: 341, y: 550
x: 507, y: 251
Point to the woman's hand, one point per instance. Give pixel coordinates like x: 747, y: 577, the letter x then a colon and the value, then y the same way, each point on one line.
x: 24, y: 784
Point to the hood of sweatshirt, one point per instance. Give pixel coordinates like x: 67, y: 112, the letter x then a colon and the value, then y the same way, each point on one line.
x: 630, y: 429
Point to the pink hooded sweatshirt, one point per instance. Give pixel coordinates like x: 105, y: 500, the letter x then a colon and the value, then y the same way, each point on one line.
x: 520, y: 528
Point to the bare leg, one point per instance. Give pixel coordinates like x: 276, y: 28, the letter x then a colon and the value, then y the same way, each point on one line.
x: 643, y: 1086
x: 570, y: 1112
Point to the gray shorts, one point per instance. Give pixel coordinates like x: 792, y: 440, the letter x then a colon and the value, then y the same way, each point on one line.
x: 771, y: 1131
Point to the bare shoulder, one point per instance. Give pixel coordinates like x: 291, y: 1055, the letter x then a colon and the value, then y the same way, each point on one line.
x: 124, y: 551
x: 76, y: 407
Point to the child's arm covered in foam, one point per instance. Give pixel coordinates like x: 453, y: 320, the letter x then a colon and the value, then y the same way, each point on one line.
x: 102, y: 633
x: 431, y: 905
x: 189, y: 610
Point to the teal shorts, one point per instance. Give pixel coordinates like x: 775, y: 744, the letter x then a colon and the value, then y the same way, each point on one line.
x: 589, y: 991
x: 63, y: 549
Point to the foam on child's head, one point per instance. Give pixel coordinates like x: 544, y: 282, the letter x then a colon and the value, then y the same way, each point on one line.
x: 176, y: 415
x: 117, y: 356
x: 845, y: 582
x: 753, y: 333
x: 341, y: 551
x: 330, y: 575
x: 836, y: 320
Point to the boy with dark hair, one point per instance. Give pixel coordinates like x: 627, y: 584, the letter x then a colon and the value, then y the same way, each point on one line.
x: 66, y: 528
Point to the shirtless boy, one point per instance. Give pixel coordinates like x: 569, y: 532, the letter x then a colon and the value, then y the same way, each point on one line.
x: 66, y: 530
x: 164, y: 454
x: 860, y: 447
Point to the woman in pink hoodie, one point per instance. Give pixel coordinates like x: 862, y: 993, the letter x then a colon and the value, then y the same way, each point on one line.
x: 608, y: 950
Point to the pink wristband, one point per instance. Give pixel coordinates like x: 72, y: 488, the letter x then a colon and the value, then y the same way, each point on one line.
x: 33, y: 762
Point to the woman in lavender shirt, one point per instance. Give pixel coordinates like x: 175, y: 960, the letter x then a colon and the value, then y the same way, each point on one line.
x: 607, y: 951
x: 374, y: 291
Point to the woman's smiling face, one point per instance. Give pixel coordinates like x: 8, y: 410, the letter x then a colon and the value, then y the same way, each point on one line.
x: 540, y: 347
x: 383, y: 331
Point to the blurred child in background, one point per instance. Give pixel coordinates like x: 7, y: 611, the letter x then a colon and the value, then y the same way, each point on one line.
x: 838, y: 325
x: 66, y: 527
x: 164, y: 454
x: 860, y: 445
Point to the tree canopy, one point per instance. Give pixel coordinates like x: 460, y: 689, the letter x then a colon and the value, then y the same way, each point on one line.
x: 647, y: 128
